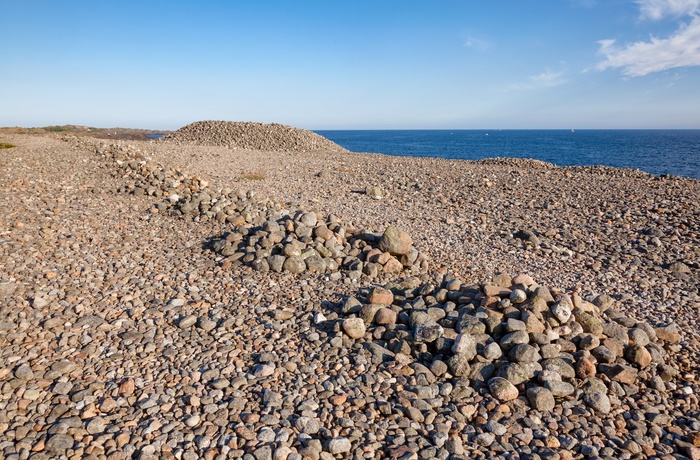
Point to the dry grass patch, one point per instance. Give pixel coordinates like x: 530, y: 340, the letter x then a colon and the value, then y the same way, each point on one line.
x: 255, y: 175
x: 6, y: 145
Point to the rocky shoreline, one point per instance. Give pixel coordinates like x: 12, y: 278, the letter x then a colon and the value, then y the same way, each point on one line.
x: 141, y: 320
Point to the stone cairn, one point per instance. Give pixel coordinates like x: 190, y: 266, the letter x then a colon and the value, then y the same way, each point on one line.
x: 249, y: 135
x: 516, y: 340
x: 302, y: 242
x: 264, y: 235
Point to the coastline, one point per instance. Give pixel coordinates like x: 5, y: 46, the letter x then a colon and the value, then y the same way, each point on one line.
x: 659, y: 151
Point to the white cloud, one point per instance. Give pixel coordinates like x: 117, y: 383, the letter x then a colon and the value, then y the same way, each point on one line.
x: 546, y: 79
x: 682, y: 49
x: 477, y: 44
x: 657, y: 9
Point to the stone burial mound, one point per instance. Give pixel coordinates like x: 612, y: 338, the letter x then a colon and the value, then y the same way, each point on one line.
x: 249, y: 135
x: 514, y: 339
x: 187, y: 196
x: 302, y: 242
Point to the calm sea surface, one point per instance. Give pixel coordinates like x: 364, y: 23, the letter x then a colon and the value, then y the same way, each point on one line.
x: 675, y: 152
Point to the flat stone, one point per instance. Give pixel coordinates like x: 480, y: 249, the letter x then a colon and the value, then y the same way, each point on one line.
x: 187, y: 321
x: 559, y: 388
x: 64, y: 367
x: 59, y: 443
x: 669, y: 333
x: 219, y: 383
x: 380, y: 295
x: 622, y: 374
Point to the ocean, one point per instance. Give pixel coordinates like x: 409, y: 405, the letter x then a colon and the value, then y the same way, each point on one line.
x: 675, y: 152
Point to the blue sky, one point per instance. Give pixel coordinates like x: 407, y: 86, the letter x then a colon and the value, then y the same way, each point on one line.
x: 352, y: 65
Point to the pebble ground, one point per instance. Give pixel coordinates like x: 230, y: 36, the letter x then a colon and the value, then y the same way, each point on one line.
x: 121, y: 336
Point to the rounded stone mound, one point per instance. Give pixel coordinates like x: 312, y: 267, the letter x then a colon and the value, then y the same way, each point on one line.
x: 250, y: 135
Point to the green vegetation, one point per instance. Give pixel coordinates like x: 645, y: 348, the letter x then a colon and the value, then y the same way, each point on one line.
x: 57, y: 129
x: 6, y: 145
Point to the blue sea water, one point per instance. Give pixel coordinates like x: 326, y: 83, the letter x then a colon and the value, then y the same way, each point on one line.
x: 675, y: 152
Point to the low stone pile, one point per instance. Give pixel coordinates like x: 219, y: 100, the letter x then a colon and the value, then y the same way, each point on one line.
x: 187, y: 196
x: 529, y: 163
x: 304, y: 243
x: 249, y: 135
x: 517, y: 340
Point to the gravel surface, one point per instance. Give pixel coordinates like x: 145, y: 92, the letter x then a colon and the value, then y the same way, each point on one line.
x: 124, y: 334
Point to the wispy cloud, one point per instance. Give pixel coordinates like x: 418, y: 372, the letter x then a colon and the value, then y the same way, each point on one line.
x: 546, y: 79
x: 477, y: 43
x: 681, y: 49
x: 657, y: 9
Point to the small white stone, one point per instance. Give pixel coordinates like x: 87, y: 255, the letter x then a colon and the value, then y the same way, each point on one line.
x: 561, y: 312
x: 177, y: 302
x: 319, y: 318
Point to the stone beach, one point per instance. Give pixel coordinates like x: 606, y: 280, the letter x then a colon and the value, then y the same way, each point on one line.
x: 193, y: 298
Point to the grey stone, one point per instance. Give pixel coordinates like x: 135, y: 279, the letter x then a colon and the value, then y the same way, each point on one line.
x: 524, y: 353
x: 465, y: 344
x: 492, y: 351
x: 24, y: 372
x: 459, y: 365
x: 541, y: 398
x: 514, y: 338
x: 295, y: 265
x: 598, y: 401
x: 307, y: 425
x: 59, y: 443
x: 339, y: 445
x: 559, y: 389
x: 428, y: 332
